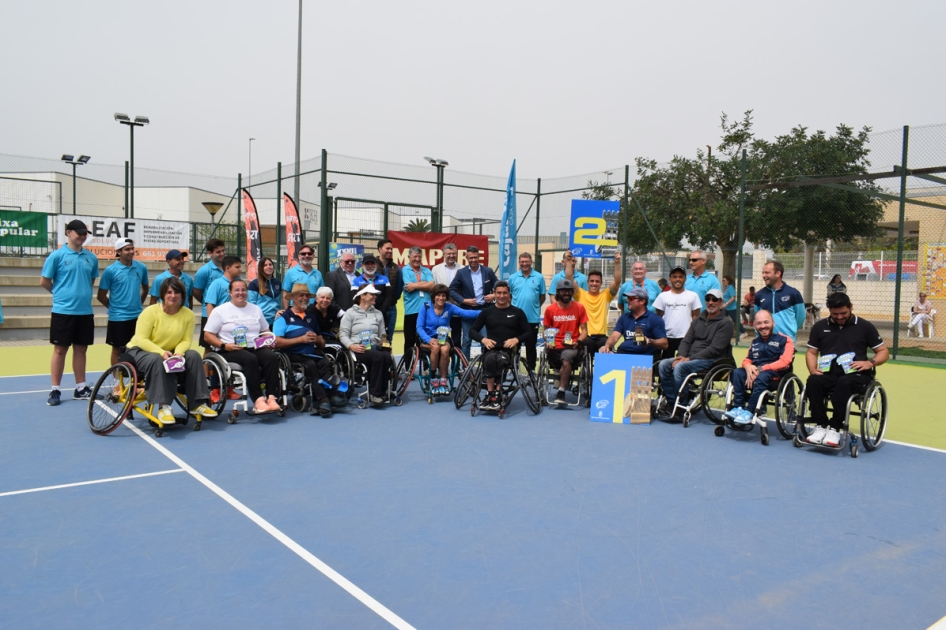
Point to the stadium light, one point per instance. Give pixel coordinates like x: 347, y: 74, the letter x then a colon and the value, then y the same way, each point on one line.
x: 438, y: 164
x: 82, y: 161
x: 139, y: 121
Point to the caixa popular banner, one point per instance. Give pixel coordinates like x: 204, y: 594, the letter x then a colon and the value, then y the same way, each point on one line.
x: 431, y: 245
x: 23, y: 229
x: 153, y: 239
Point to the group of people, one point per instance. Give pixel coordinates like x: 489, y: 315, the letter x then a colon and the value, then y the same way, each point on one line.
x: 686, y: 327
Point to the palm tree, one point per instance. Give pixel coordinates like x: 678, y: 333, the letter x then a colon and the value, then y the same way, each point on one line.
x: 418, y: 225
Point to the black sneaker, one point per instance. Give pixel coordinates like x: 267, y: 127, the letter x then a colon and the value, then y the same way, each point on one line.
x: 82, y: 394
x: 560, y: 398
x: 54, y: 398
x: 339, y: 401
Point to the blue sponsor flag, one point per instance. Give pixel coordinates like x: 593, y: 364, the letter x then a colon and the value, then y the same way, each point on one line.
x: 508, y: 250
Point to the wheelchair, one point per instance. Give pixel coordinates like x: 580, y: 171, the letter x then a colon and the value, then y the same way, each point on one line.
x: 118, y: 391
x: 579, y: 384
x: 785, y: 392
x: 694, y: 391
x: 224, y: 375
x: 397, y: 382
x: 416, y: 365
x: 298, y: 388
x: 870, y: 406
x: 512, y: 379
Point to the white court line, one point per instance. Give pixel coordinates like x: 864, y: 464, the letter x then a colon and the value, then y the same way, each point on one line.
x: 32, y: 391
x: 89, y: 483
x: 295, y: 547
x: 925, y: 448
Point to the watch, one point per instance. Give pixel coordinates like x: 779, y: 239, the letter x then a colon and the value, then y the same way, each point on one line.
x: 872, y: 362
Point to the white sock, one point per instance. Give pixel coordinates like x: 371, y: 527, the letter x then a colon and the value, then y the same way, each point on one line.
x: 166, y: 408
x: 80, y: 385
x: 55, y: 388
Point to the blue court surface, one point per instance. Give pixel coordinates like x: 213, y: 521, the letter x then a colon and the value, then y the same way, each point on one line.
x: 423, y: 516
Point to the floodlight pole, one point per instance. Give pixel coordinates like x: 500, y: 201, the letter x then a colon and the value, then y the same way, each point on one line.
x: 138, y: 121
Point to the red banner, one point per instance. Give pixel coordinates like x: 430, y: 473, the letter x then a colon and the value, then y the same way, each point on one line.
x: 432, y: 246
x: 293, y: 231
x: 254, y: 245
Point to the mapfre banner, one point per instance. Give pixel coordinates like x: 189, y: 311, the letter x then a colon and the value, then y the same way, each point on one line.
x: 431, y: 244
x: 153, y: 239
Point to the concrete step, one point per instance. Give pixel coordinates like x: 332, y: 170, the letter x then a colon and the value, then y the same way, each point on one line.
x: 32, y: 266
x: 26, y: 327
x: 18, y: 304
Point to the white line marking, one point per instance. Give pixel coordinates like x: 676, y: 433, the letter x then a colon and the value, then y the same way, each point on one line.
x: 925, y: 448
x: 295, y: 547
x: 939, y: 625
x: 32, y: 391
x: 89, y: 483
x: 105, y: 408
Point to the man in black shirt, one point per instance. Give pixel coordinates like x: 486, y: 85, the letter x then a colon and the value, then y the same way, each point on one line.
x: 506, y: 328
x: 843, y: 368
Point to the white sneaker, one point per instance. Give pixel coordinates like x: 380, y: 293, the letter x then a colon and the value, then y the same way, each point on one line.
x: 817, y: 436
x: 832, y: 438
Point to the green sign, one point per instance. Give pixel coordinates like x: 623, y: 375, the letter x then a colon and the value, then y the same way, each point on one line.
x: 23, y: 229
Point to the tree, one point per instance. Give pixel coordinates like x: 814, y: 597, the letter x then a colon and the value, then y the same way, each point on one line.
x: 418, y: 225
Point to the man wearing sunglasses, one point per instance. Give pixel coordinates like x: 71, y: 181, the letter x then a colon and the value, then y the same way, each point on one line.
x: 701, y: 281
x: 303, y: 272
x: 706, y: 341
x: 342, y: 280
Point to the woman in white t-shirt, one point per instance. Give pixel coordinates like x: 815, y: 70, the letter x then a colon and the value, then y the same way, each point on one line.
x: 231, y: 330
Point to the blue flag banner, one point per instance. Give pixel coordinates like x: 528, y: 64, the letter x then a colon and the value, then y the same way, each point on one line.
x: 508, y: 250
x: 622, y: 388
x: 594, y: 228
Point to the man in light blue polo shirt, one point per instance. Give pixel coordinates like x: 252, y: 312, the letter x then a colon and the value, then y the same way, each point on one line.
x: 528, y: 294
x: 176, y: 259
x: 219, y: 292
x: 204, y: 278
x: 418, y: 283
x: 639, y: 280
x: 122, y: 289
x: 68, y: 274
x: 701, y: 281
x: 580, y: 279
x: 303, y: 272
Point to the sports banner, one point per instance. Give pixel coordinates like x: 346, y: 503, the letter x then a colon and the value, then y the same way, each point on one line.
x: 254, y: 243
x: 153, y: 239
x: 293, y: 231
x: 335, y: 251
x: 508, y: 250
x: 622, y: 388
x: 431, y: 243
x: 594, y: 228
x: 23, y: 229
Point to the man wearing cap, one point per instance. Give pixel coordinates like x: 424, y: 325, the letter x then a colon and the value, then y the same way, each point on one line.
x: 342, y: 280
x: 643, y: 331
x: 175, y: 259
x: 639, y: 280
x: 701, y: 280
x: 303, y: 272
x: 784, y: 302
x: 678, y: 307
x: 122, y: 289
x: 219, y: 291
x: 472, y: 289
x: 204, y: 277
x: 68, y: 274
x: 571, y: 320
x: 444, y: 273
x: 579, y: 279
x: 528, y: 293
x: 706, y: 341
x: 370, y: 275
x: 596, y: 301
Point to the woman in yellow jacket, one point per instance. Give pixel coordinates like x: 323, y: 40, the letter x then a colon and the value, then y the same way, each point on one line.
x: 165, y: 330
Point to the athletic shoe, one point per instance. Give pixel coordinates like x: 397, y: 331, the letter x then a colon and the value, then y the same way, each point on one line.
x: 82, y: 394
x: 53, y: 400
x: 744, y: 417
x: 273, y: 404
x: 215, y: 396
x: 376, y: 400
x: 446, y: 387
x: 560, y: 398
x: 339, y: 401
x: 491, y: 403
x: 325, y: 409
x: 733, y: 413
x: 233, y: 394
x: 165, y: 415
x: 817, y: 436
x: 203, y: 411
x: 832, y: 437
x: 261, y: 406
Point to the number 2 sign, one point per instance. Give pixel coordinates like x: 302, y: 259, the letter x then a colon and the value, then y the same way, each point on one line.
x: 594, y: 227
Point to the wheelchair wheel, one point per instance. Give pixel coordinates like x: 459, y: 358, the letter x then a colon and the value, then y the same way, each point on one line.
x: 587, y: 378
x: 218, y: 378
x: 297, y: 403
x: 469, y: 382
x: 423, y: 374
x: 542, y: 380
x: 873, y: 416
x: 787, y: 405
x: 527, y: 386
x: 112, y: 397
x: 717, y: 392
x: 404, y: 372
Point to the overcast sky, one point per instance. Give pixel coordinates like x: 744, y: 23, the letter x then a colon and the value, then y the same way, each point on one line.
x: 564, y: 87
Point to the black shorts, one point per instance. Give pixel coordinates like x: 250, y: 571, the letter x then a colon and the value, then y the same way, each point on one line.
x: 68, y: 330
x: 200, y: 340
x: 118, y: 334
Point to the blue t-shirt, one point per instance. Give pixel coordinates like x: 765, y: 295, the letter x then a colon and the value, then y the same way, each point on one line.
x: 124, y: 289
x: 579, y: 278
x: 161, y: 277
x: 527, y: 294
x: 652, y: 326
x: 297, y: 274
x: 269, y: 300
x: 414, y: 299
x: 218, y: 292
x: 728, y: 294
x: 428, y: 321
x: 787, y: 307
x: 289, y: 326
x: 701, y: 284
x: 203, y: 279
x: 653, y: 290
x: 72, y: 274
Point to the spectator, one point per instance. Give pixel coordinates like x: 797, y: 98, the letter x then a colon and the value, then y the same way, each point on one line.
x: 836, y: 285
x: 388, y: 302
x: 342, y: 280
x: 784, y: 302
x: 175, y: 259
x: 639, y: 280
x: 701, y: 280
x: 266, y: 298
x: 729, y: 300
x: 303, y: 272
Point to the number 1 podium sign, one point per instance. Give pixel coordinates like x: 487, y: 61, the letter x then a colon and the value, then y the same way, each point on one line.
x: 622, y: 389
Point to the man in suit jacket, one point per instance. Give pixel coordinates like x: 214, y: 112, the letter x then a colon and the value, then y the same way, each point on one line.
x: 340, y: 280
x: 472, y: 288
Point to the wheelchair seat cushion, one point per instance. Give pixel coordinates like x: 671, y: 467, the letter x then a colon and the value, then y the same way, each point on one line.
x: 234, y: 366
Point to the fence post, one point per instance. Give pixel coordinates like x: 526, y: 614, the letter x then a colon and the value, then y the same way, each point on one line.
x: 627, y: 210
x: 278, y: 215
x: 538, y: 203
x: 385, y: 222
x: 903, y: 206
x: 324, y: 236
x: 741, y: 243
x: 239, y: 220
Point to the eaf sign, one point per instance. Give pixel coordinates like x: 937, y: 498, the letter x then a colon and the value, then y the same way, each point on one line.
x: 594, y: 228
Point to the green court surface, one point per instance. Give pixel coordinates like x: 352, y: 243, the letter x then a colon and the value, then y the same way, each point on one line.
x: 916, y: 415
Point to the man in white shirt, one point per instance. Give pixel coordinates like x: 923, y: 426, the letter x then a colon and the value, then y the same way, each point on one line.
x: 679, y: 307
x: 444, y: 274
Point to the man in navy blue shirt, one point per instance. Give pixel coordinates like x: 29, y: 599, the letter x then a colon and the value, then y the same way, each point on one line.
x: 643, y: 330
